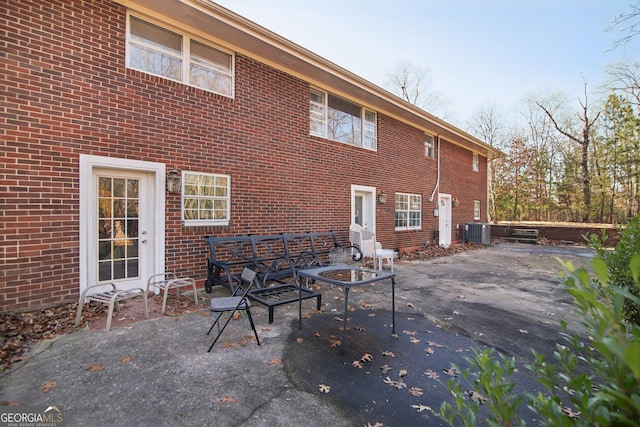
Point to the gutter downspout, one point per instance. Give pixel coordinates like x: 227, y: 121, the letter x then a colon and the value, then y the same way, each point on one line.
x: 437, y: 187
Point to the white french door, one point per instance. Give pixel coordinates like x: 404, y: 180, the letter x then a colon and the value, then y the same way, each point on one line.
x: 121, y: 221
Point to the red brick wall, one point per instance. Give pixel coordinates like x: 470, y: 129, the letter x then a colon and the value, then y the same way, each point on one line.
x: 66, y: 92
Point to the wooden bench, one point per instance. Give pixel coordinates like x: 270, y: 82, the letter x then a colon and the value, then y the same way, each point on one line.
x: 524, y: 235
x: 276, y: 260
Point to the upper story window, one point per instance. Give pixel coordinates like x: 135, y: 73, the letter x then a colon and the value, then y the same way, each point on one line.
x: 408, y: 211
x: 429, y: 146
x: 476, y: 162
x: 206, y: 198
x: 157, y: 50
x: 340, y: 120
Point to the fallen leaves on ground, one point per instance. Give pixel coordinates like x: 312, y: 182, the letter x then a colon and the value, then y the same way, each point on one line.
x: 324, y: 388
x: 94, y: 368
x: 46, y: 387
x: 397, y: 384
x: 228, y: 399
x: 453, y: 372
x: 275, y: 361
x: 421, y: 408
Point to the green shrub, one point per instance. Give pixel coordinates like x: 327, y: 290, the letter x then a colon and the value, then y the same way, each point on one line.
x: 618, y: 262
x: 593, y: 383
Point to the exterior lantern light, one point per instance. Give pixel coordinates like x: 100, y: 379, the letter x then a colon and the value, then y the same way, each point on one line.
x: 173, y: 181
x: 382, y: 197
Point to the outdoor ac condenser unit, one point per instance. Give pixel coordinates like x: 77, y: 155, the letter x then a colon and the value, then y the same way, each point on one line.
x: 478, y: 233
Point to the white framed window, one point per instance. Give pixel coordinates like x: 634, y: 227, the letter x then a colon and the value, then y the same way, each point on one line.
x: 157, y: 50
x: 341, y: 120
x: 476, y: 209
x: 206, y: 198
x: 429, y: 146
x: 408, y: 211
x: 476, y: 162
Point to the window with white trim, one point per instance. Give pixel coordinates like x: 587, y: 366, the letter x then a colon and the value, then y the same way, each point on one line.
x: 206, y: 198
x: 429, y: 146
x: 166, y: 53
x: 476, y: 162
x: 476, y: 209
x: 340, y: 120
x: 408, y: 211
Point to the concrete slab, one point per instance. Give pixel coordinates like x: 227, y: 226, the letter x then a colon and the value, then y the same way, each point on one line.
x: 157, y: 372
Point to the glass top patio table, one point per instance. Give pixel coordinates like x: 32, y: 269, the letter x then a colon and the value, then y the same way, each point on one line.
x: 348, y: 276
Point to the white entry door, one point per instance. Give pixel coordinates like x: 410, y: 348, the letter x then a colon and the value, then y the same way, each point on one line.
x: 444, y: 212
x: 363, y: 207
x: 121, y: 237
x: 123, y: 221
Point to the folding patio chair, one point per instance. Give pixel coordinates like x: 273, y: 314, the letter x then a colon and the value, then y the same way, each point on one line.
x: 237, y: 302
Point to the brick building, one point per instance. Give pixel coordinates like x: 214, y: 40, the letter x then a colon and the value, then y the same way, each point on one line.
x: 107, y: 104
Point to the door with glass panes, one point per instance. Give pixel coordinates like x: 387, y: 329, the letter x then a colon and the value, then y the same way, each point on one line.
x: 120, y: 237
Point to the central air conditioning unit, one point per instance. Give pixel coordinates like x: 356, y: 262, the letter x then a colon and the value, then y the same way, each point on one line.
x: 478, y: 233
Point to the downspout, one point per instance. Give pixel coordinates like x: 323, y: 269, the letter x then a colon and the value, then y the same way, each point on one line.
x: 437, y: 187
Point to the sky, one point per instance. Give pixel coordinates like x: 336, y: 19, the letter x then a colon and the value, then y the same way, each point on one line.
x: 476, y: 51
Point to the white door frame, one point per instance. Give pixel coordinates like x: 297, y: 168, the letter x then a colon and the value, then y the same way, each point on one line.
x: 88, y: 200
x: 369, y: 205
x: 444, y: 220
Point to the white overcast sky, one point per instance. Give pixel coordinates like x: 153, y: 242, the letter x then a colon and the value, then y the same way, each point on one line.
x: 476, y: 51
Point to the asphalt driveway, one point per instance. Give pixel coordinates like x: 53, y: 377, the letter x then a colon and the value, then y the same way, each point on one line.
x: 157, y: 372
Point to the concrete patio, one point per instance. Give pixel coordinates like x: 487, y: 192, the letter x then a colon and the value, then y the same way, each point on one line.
x: 157, y: 371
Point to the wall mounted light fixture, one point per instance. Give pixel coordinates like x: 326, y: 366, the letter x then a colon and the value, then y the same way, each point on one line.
x: 456, y: 202
x: 173, y: 181
x: 382, y: 197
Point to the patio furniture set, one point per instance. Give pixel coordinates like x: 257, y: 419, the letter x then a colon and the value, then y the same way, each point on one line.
x: 268, y: 270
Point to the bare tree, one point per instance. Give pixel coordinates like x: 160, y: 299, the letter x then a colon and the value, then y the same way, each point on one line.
x: 412, y: 83
x: 583, y: 140
x: 628, y: 24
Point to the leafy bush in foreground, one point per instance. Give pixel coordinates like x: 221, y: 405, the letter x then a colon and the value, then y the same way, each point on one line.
x: 594, y: 383
x: 618, y: 263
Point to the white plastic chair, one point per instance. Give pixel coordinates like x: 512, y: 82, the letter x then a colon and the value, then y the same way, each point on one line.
x: 365, y: 240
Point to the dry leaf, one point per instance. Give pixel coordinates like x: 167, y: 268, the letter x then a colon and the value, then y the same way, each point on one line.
x: 274, y: 361
x: 429, y: 350
x: 385, y: 369
x: 228, y: 399
x: 95, y: 367
x: 434, y: 344
x: 46, y: 387
x: 366, y: 358
x: 359, y: 328
x: 324, y: 388
x: 408, y: 332
x: 397, y: 384
x: 415, y: 340
x: 477, y: 397
x: 451, y: 372
x: 431, y: 374
x: 421, y: 408
x: 357, y: 364
x: 335, y: 343
x: 571, y: 413
x: 415, y: 391
x: 403, y: 372
x: 371, y: 315
x: 523, y: 331
x: 300, y: 340
x: 388, y: 354
x: 126, y: 359
x: 410, y: 305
